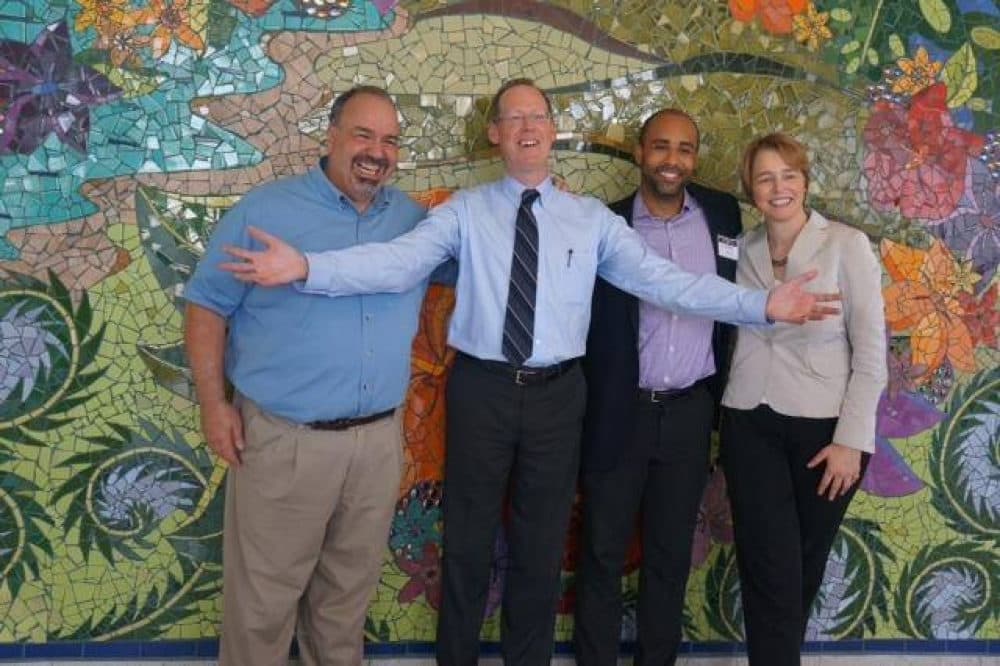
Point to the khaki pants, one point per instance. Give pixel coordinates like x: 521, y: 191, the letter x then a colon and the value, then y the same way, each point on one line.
x: 306, y: 522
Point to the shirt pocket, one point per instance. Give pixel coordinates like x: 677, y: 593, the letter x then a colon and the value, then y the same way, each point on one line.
x: 573, y: 270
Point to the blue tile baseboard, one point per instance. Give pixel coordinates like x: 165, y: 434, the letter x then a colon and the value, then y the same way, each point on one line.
x: 209, y: 649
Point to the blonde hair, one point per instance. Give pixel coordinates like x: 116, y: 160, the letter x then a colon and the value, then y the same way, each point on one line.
x: 792, y: 152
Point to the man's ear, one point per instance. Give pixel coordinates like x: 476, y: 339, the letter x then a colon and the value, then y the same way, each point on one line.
x: 493, y: 133
x: 637, y: 153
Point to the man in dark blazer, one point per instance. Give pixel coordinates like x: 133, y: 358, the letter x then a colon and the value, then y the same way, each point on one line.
x: 654, y: 380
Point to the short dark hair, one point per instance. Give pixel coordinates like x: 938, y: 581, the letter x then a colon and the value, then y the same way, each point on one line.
x: 792, y: 152
x: 342, y: 99
x: 669, y: 111
x: 494, y: 112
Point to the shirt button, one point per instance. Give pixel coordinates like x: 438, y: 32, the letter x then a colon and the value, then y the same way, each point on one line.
x: 674, y: 317
x: 671, y: 348
x: 666, y: 380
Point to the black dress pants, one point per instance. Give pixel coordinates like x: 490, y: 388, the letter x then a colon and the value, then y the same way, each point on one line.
x: 522, y: 440
x: 784, y: 530
x: 664, y: 473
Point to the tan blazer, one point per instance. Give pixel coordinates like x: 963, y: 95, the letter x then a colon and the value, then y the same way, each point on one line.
x: 830, y: 368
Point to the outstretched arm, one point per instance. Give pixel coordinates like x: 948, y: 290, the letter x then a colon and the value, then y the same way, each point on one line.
x: 394, y: 266
x: 628, y: 263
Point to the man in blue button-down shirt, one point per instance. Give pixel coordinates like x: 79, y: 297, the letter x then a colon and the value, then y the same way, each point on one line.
x: 516, y: 429
x: 313, y: 438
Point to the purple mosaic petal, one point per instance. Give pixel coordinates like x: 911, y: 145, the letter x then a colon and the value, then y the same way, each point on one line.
x: 888, y: 474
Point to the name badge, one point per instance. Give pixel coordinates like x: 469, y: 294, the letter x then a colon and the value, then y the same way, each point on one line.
x: 729, y: 248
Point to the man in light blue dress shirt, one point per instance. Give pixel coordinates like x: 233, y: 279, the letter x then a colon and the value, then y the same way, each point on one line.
x: 313, y: 438
x: 515, y: 429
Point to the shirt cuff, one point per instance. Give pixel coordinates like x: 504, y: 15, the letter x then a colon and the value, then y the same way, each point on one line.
x: 318, y: 276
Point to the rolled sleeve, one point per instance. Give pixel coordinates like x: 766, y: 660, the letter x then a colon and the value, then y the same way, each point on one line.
x: 210, y: 286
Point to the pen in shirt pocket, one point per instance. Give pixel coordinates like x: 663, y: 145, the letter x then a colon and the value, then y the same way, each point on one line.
x: 569, y: 257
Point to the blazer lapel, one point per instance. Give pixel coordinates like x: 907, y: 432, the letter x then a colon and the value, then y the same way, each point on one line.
x: 807, y: 244
x: 759, y: 257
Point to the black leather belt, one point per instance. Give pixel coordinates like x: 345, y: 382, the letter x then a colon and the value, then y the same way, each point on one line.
x: 523, y: 376
x: 658, y: 396
x: 344, y: 424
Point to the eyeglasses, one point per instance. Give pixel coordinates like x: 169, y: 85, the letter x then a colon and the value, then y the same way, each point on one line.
x: 525, y: 118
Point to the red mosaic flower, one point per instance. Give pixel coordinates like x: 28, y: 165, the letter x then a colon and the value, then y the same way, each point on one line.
x: 917, y: 157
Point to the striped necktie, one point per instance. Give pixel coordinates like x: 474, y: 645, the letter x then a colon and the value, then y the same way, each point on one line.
x: 519, y: 322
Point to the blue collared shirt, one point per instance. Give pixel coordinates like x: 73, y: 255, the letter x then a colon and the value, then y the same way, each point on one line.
x: 579, y: 238
x: 298, y: 356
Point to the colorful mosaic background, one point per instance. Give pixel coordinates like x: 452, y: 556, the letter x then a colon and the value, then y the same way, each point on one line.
x: 128, y: 126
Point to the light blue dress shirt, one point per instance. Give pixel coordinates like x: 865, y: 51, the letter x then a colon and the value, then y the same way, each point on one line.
x: 298, y: 356
x: 579, y: 238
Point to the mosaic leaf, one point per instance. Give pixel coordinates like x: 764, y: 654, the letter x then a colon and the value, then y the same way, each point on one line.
x: 960, y: 75
x: 937, y: 14
x: 948, y: 591
x: 963, y: 459
x: 855, y: 587
x: 23, y: 522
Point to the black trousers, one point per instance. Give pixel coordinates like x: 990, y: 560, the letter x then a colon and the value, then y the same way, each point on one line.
x: 784, y: 530
x: 525, y: 441
x: 664, y: 474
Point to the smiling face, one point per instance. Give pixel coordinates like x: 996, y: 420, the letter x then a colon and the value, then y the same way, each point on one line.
x: 667, y: 158
x: 524, y: 132
x: 778, y: 189
x: 363, y: 147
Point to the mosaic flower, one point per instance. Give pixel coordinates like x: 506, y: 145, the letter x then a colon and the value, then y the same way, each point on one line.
x: 101, y: 14
x: 923, y: 299
x: 24, y: 350
x: 982, y: 317
x: 916, y: 157
x: 43, y: 91
x: 901, y: 413
x: 715, y: 522
x: 417, y: 520
x: 972, y: 231
x: 425, y: 577
x: 775, y: 15
x: 172, y: 19
x: 811, y: 28
x: 127, y: 493
x: 123, y: 44
x: 916, y: 73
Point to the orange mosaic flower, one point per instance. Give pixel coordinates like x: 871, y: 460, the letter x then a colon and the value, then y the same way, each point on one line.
x: 122, y: 43
x: 172, y: 19
x: 919, y: 72
x: 811, y: 29
x: 102, y: 15
x: 775, y: 15
x: 926, y: 299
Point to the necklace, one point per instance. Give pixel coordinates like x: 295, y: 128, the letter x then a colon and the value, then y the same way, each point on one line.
x: 779, y: 263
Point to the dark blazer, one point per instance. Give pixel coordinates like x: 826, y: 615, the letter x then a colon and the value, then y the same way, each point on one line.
x: 611, y: 364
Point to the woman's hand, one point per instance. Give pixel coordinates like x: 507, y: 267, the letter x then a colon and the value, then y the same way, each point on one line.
x: 843, y: 468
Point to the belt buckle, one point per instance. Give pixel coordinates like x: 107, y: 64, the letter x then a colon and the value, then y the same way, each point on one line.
x: 652, y: 397
x: 521, y: 376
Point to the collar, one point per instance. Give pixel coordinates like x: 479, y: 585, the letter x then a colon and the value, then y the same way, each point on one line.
x: 640, y: 211
x: 512, y: 188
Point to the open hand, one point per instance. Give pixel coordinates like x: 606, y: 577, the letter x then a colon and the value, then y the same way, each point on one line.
x: 279, y: 263
x: 843, y: 469
x: 790, y: 302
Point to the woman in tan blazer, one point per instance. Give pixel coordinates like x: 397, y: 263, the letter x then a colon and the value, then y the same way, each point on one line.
x: 798, y: 423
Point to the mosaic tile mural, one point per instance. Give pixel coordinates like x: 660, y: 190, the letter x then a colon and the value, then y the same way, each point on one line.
x: 128, y: 126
